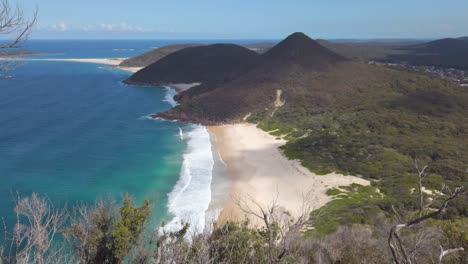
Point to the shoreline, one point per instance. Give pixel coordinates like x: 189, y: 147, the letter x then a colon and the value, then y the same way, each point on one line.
x: 178, y: 87
x: 220, y: 185
x: 258, y: 171
x: 111, y: 62
x: 181, y: 87
x: 190, y: 198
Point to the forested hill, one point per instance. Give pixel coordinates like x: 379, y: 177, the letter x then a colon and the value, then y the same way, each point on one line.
x: 202, y: 64
x: 305, y: 73
x: 154, y: 55
x: 448, y: 53
x: 346, y: 116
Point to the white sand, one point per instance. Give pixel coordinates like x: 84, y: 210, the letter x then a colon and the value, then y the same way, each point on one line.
x: 114, y: 62
x: 109, y: 61
x: 259, y: 169
x: 180, y: 87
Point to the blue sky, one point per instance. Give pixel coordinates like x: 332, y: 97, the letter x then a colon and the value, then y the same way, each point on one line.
x: 243, y: 19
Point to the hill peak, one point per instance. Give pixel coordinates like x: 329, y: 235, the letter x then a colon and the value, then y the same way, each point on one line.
x: 298, y: 48
x: 299, y: 40
x: 297, y: 36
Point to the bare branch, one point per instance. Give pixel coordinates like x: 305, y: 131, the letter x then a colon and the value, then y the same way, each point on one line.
x: 437, y: 195
x: 421, y: 176
x: 281, y: 226
x: 13, y: 23
x: 37, y: 225
x: 399, y: 246
x: 444, y: 253
x: 397, y: 214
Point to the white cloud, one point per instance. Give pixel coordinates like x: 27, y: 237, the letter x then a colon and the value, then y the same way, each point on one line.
x: 111, y: 27
x: 119, y: 27
x: 87, y: 27
x: 62, y: 26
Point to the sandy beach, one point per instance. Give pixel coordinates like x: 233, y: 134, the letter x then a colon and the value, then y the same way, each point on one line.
x: 112, y: 62
x: 108, y: 61
x: 259, y: 170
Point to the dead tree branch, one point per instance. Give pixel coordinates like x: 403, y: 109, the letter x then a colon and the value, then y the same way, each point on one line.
x: 421, y: 176
x: 444, y: 253
x: 396, y: 244
x: 37, y: 225
x: 14, y: 24
x: 280, y: 225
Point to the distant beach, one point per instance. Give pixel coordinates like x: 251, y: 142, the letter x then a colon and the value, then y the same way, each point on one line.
x: 114, y: 62
x: 259, y: 170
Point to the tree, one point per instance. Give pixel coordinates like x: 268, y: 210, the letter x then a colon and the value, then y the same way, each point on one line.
x: 16, y: 28
x: 281, y: 227
x: 105, y: 233
x: 89, y: 229
x: 455, y: 235
x: 32, y: 240
x: 14, y: 24
x: 127, y: 230
x: 400, y: 252
x: 355, y: 244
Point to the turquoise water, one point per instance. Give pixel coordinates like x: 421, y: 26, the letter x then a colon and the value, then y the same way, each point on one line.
x: 74, y: 132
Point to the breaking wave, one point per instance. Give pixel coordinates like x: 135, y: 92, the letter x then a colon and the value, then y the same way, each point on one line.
x: 170, y: 93
x: 191, y: 196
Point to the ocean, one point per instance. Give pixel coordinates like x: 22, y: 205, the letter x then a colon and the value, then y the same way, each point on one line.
x: 74, y: 132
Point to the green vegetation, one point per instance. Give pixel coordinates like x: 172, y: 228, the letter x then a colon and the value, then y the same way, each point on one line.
x: 127, y: 229
x: 355, y: 204
x: 103, y: 234
x: 455, y: 234
x: 338, y: 116
x: 244, y: 240
x: 113, y: 234
x: 415, y: 117
x: 378, y: 133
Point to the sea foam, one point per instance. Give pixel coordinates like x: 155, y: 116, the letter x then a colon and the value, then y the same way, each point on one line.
x: 191, y: 196
x: 169, y: 97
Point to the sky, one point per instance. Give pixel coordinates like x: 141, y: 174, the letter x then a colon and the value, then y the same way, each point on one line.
x: 247, y: 19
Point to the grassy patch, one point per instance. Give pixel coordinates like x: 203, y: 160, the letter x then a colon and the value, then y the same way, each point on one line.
x: 354, y: 204
x: 333, y: 191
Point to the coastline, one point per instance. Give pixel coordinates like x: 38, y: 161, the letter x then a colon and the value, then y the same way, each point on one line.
x: 190, y: 198
x: 258, y: 170
x: 112, y: 62
x: 182, y: 87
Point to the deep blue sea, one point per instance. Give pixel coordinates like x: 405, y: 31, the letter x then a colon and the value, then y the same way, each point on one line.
x: 73, y: 132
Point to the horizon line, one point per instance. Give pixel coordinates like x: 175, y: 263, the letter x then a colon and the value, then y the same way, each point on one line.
x: 271, y: 39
